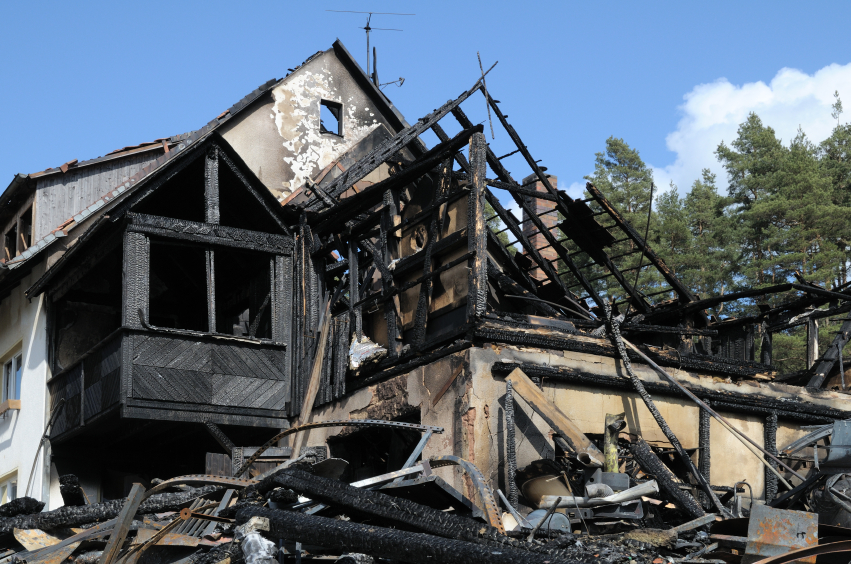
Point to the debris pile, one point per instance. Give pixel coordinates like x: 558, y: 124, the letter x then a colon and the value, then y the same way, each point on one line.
x: 617, y: 500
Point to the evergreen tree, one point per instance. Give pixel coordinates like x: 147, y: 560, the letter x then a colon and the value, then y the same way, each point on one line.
x: 626, y: 181
x: 753, y: 162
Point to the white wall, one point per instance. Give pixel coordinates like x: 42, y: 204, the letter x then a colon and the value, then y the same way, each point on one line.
x: 23, y: 330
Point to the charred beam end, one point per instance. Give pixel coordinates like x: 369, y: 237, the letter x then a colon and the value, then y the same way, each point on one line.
x: 73, y: 516
x: 331, y: 219
x: 69, y: 488
x: 651, y: 464
x: 385, y: 543
x: 476, y: 228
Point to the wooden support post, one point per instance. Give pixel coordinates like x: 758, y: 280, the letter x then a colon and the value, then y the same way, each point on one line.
x: 354, y: 290
x: 766, y: 348
x: 704, y: 455
x: 315, y: 379
x: 211, y: 291
x: 770, y: 440
x: 137, y: 277
x: 476, y: 236
x: 122, y: 524
x: 389, y: 245
x: 812, y: 342
x: 211, y: 186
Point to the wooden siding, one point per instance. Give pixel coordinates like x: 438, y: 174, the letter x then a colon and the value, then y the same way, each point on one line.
x: 62, y: 196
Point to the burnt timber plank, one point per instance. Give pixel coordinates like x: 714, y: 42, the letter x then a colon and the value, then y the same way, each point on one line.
x: 477, y: 293
x: 122, y: 524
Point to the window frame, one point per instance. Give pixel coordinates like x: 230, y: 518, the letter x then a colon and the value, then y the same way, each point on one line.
x: 332, y: 105
x: 12, y: 376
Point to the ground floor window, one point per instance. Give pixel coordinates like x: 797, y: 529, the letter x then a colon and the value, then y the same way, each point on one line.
x: 8, y: 487
x: 12, y: 372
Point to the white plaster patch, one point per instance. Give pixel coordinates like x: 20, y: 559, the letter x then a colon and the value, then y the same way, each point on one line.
x: 296, y: 115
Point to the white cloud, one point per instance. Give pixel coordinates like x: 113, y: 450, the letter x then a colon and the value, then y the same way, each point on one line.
x: 712, y: 113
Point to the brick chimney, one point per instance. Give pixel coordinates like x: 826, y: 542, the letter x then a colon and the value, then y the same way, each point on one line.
x: 546, y: 210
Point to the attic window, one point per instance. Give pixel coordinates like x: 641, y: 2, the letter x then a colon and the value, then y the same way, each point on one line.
x: 331, y: 117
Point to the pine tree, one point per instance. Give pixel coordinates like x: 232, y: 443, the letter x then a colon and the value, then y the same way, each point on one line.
x: 753, y: 162
x: 626, y: 181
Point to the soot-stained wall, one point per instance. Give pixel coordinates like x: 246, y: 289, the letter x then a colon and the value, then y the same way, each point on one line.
x: 280, y: 139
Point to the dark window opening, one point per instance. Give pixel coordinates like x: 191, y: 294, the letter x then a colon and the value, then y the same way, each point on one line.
x: 371, y: 452
x: 88, y: 312
x: 331, y: 117
x: 25, y: 236
x: 182, y: 197
x: 10, y: 243
x: 178, y: 286
x: 243, y: 294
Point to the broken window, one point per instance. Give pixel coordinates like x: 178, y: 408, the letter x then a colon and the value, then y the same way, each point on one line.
x: 88, y: 311
x: 26, y: 228
x: 10, y: 243
x: 331, y: 117
x: 178, y: 286
x: 243, y: 293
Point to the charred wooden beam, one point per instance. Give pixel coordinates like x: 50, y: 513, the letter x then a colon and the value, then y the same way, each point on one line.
x: 684, y: 293
x: 368, y: 163
x: 424, y: 298
x: 74, y: 516
x: 505, y: 176
x: 393, y: 544
x: 209, y: 234
x: 220, y: 437
x: 72, y: 493
x: 331, y: 219
x: 211, y: 185
x: 509, y: 286
x: 137, y: 261
x: 651, y: 464
x: 477, y: 293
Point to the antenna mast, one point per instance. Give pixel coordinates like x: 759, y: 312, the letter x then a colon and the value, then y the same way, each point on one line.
x: 374, y: 74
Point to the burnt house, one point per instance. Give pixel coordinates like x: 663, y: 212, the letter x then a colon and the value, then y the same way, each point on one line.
x: 366, y: 278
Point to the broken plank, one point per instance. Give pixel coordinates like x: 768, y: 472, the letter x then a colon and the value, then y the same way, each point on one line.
x: 555, y: 418
x: 122, y: 525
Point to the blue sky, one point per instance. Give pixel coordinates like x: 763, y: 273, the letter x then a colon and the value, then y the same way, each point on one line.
x: 80, y: 79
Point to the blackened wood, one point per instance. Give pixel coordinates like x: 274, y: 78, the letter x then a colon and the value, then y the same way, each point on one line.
x: 354, y: 290
x: 477, y: 241
x: 349, y: 207
x: 137, y: 251
x: 424, y: 298
x: 20, y: 506
x: 389, y: 241
x: 122, y: 524
x: 220, y: 437
x: 522, y: 201
x: 194, y: 231
x: 211, y: 290
x: 652, y: 465
x: 395, y: 509
x: 834, y: 352
x: 255, y: 188
x: 211, y: 185
x: 78, y: 515
x: 685, y: 295
x: 387, y: 149
x: 704, y: 455
x: 770, y: 441
x: 386, y: 543
x: 69, y: 488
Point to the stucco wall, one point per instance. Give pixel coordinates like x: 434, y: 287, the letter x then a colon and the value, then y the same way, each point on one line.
x: 279, y: 138
x: 22, y: 329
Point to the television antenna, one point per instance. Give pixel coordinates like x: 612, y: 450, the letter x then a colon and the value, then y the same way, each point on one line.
x: 368, y: 28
